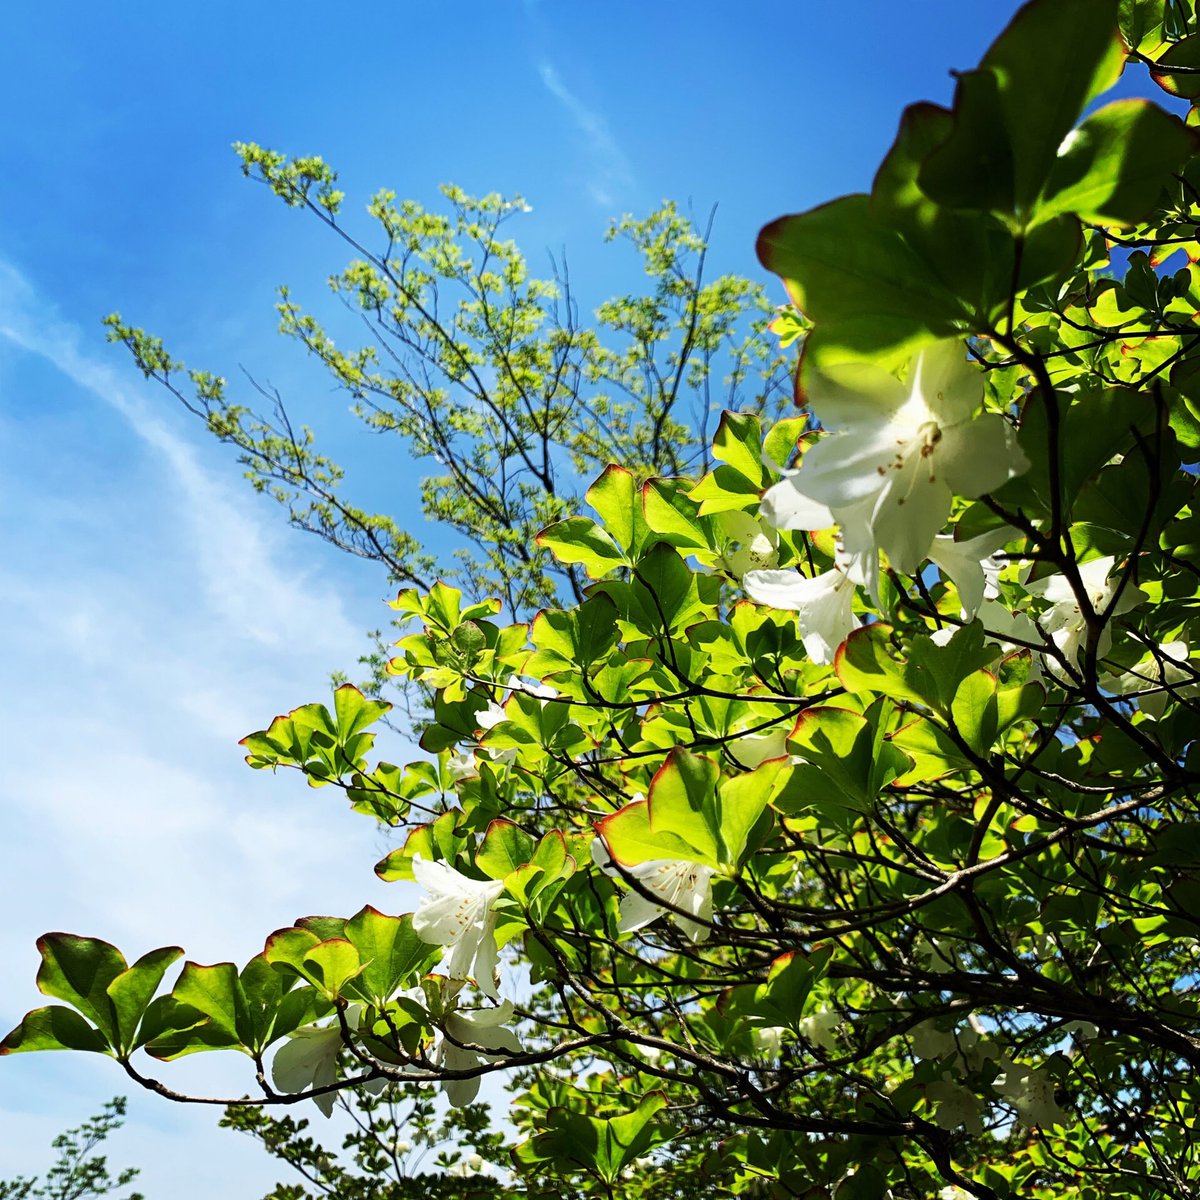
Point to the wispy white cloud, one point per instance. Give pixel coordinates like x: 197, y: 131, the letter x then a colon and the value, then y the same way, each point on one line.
x: 611, y: 171
x: 151, y: 619
x: 240, y: 577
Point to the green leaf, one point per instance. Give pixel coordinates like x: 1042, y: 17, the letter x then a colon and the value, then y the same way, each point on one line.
x: 1184, y: 57
x: 504, y: 848
x: 53, y: 1028
x: 970, y: 254
x: 664, y: 593
x: 133, y: 990
x: 737, y: 443
x: 725, y: 490
x: 615, y: 497
x: 214, y: 991
x: 866, y: 1183
x: 330, y: 965
x: 682, y: 801
x: 847, y: 763
x: 172, y: 1029
x: 602, y: 1147
x: 539, y: 881
x: 289, y: 947
x: 741, y: 801
x: 789, y: 981
x: 937, y: 671
x: 391, y: 953
x: 780, y: 443
x: 678, y: 820
x: 578, y: 637
x: 1093, y: 430
x: 580, y: 540
x: 1141, y: 24
x: 79, y: 970
x: 671, y: 515
x: 440, y: 839
x: 1012, y: 114
x: 1114, y: 167
x: 869, y: 660
x: 868, y: 292
x: 974, y: 712
x: 354, y: 711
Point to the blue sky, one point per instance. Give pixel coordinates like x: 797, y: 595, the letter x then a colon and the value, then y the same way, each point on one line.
x: 156, y: 610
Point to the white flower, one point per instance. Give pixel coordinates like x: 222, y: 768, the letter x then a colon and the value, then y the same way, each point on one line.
x: 1031, y: 1093
x: 821, y: 603
x: 971, y: 566
x: 457, y: 913
x: 784, y: 506
x: 461, y: 766
x: 954, y: 1192
x: 753, y: 749
x: 472, y: 1027
x: 470, y: 1166
x: 1159, y: 678
x: 768, y: 1041
x: 679, y: 883
x: 898, y: 452
x: 821, y: 1028
x: 490, y: 716
x: 955, y: 1106
x: 928, y: 1041
x: 541, y: 691
x: 308, y: 1059
x: 1007, y: 629
x: 756, y: 548
x: 487, y: 719
x: 1065, y: 622
x: 401, y: 1146
x: 1010, y: 629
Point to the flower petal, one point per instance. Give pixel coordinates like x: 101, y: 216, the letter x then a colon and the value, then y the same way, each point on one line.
x: 979, y: 456
x: 967, y: 565
x: 844, y: 468
x: 851, y: 394
x: 784, y: 506
x: 950, y: 385
x: 910, y: 511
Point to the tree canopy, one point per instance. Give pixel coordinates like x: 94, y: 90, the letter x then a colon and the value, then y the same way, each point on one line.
x: 817, y: 817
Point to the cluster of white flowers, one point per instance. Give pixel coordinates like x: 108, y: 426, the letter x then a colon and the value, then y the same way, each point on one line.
x: 886, y: 473
x: 1031, y: 1092
x: 469, y: 1167
x: 468, y: 1038
x: 1065, y: 620
x: 1163, y: 673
